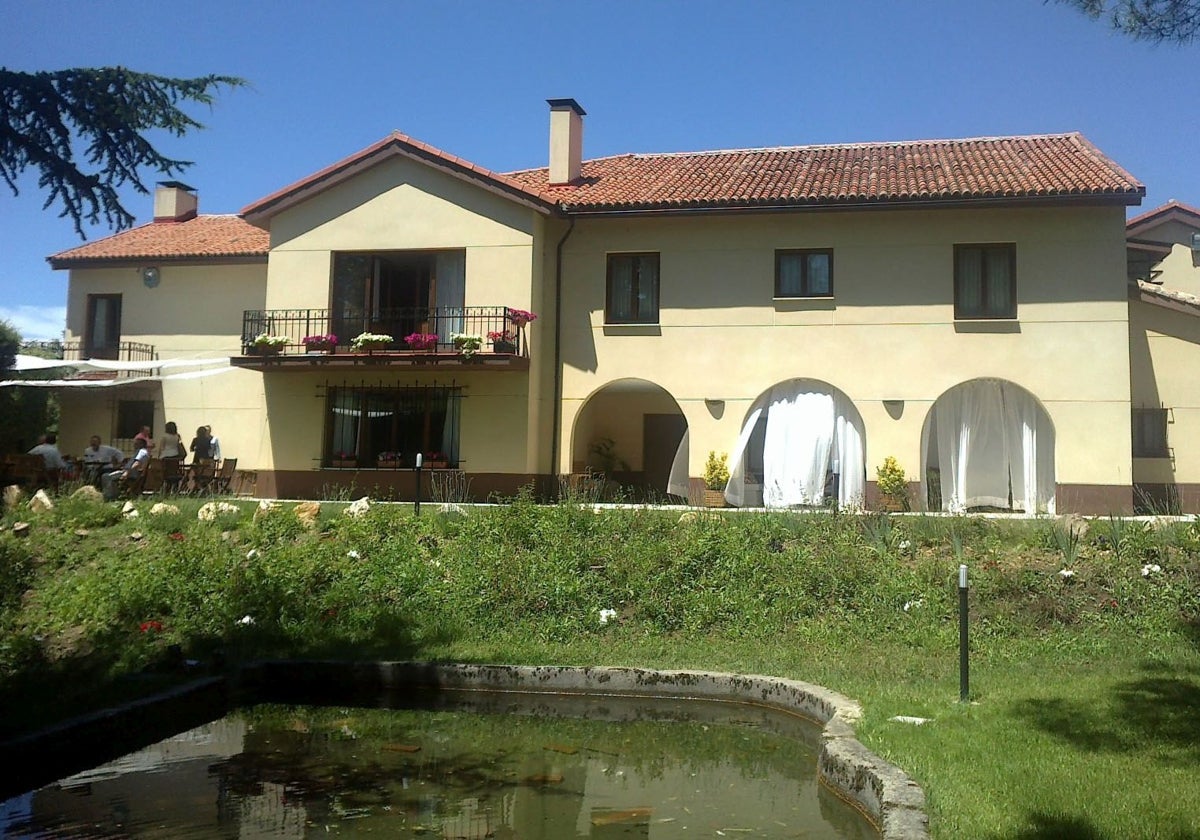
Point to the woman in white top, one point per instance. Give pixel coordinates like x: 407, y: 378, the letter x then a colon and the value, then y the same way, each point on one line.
x: 171, y: 444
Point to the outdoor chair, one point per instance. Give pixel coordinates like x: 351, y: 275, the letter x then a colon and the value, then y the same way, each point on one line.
x: 153, y: 481
x: 172, y: 475
x: 131, y: 488
x: 203, y: 474
x: 222, y: 479
x: 29, y: 471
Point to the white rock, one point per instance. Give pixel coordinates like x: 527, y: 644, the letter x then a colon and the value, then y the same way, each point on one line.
x: 915, y: 721
x: 359, y: 508
x: 162, y: 508
x: 41, y: 502
x: 88, y: 493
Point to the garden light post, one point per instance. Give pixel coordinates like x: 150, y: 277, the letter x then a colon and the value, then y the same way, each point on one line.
x: 964, y: 678
x: 417, y: 503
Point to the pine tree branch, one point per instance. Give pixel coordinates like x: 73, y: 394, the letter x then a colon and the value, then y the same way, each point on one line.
x: 50, y: 120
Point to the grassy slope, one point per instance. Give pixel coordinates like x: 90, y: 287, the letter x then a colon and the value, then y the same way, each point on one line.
x: 1086, y: 721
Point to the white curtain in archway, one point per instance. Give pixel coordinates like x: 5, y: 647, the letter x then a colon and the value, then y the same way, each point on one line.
x: 677, y: 482
x: 994, y: 438
x: 808, y: 432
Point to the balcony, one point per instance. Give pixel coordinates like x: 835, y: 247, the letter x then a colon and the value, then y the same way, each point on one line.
x: 119, y: 351
x: 505, y: 348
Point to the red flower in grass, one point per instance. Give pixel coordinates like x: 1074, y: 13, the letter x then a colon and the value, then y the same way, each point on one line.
x: 148, y: 626
x: 176, y: 535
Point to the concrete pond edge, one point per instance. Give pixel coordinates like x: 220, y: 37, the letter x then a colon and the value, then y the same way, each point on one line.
x: 883, y: 792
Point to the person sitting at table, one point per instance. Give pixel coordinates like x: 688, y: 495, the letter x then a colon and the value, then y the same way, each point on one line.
x: 112, y: 482
x: 100, y: 458
x: 53, y: 459
x: 201, y: 447
x: 214, y: 445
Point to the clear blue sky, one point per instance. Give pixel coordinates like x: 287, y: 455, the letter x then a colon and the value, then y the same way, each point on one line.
x: 472, y: 78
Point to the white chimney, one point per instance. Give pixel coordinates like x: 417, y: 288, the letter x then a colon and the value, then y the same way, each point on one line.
x: 566, y: 140
x: 174, y: 202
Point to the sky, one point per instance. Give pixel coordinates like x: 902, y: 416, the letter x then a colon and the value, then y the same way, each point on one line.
x: 327, y: 79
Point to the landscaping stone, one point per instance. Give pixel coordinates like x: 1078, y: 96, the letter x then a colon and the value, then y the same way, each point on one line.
x: 1075, y: 525
x: 265, y: 508
x: 211, y: 510
x: 136, y: 536
x: 20, y: 529
x: 40, y: 503
x: 359, y: 508
x: 13, y: 496
x: 162, y: 508
x: 307, y: 513
x: 88, y: 493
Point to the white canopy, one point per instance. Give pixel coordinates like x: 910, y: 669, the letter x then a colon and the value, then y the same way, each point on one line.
x: 25, y: 363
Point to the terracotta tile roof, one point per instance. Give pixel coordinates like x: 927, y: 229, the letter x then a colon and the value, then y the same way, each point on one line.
x: 201, y: 237
x: 1172, y: 295
x: 1173, y: 208
x: 401, y: 144
x: 1037, y: 166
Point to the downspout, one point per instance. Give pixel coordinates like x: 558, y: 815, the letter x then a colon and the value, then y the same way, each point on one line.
x: 557, y: 427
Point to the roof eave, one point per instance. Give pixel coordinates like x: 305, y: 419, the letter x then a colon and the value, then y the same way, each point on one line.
x: 1122, y: 199
x: 125, y: 261
x: 260, y: 212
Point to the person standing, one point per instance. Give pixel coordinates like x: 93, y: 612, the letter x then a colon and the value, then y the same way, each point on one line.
x: 52, y: 457
x: 144, y: 437
x: 214, y: 445
x: 200, y: 447
x: 171, y: 444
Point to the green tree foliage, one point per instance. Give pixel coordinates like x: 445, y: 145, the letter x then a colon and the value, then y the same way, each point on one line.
x: 105, y: 113
x: 1147, y: 20
x: 25, y: 413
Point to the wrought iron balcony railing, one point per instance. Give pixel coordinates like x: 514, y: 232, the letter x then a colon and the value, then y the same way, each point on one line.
x: 347, y: 323
x: 119, y: 351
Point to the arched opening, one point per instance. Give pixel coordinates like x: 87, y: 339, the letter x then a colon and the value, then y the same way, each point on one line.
x: 988, y: 444
x: 632, y: 431
x: 802, y: 444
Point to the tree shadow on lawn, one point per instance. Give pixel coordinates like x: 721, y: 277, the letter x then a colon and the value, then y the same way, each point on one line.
x: 1056, y: 827
x: 1158, y: 712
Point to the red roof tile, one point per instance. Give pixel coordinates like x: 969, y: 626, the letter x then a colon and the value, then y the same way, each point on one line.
x: 202, y: 237
x: 1014, y: 168
x: 1177, y: 209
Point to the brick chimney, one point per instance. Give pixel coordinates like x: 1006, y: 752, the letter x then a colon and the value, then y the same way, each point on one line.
x: 566, y: 140
x: 174, y: 202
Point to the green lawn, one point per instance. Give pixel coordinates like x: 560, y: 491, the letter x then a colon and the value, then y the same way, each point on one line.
x: 1085, y: 720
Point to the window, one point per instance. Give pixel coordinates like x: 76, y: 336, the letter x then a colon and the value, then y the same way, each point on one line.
x: 102, y: 332
x: 132, y: 415
x: 362, y: 424
x: 632, y: 289
x: 1150, y: 433
x: 985, y: 281
x: 804, y: 273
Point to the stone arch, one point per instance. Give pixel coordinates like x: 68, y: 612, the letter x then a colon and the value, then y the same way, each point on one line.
x: 630, y: 429
x: 803, y: 442
x: 988, y: 444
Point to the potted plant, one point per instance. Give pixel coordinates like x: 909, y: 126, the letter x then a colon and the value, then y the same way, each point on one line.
x: 503, y: 341
x: 892, y: 484
x: 468, y: 345
x: 320, y: 344
x: 366, y: 342
x: 421, y: 341
x: 342, y: 458
x: 387, y: 460
x: 265, y: 344
x: 716, y: 476
x: 520, y: 317
x: 436, y: 460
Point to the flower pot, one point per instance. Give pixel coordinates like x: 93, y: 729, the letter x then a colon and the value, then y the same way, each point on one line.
x: 265, y: 350
x: 504, y: 347
x: 436, y: 465
x: 714, y: 498
x: 388, y: 464
x: 343, y: 462
x: 314, y: 349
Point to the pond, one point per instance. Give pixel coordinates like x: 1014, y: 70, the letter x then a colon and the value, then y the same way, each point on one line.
x: 465, y: 765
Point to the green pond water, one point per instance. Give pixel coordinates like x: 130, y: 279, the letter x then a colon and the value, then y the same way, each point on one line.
x: 480, y: 766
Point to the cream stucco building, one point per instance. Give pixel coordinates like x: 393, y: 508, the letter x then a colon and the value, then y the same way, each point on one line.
x: 962, y: 305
